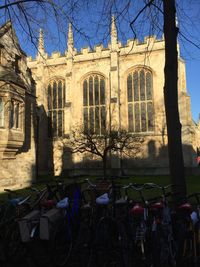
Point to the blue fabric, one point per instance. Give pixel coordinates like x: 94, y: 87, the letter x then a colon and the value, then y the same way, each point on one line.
x: 76, y: 201
x: 103, y: 199
x: 63, y: 204
x: 15, y: 201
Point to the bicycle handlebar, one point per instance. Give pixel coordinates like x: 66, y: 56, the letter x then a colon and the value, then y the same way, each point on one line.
x: 196, y: 196
x: 134, y: 186
x: 91, y: 184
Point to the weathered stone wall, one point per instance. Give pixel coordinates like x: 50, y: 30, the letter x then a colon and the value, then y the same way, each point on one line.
x: 20, y: 171
x: 18, y: 130
x: 114, y: 63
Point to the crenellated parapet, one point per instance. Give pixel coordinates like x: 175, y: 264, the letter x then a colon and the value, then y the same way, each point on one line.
x: 149, y: 44
x: 85, y: 50
x: 55, y: 55
x: 133, y: 46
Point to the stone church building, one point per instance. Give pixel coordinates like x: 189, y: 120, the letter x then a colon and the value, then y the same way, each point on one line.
x: 118, y: 86
x: 17, y: 113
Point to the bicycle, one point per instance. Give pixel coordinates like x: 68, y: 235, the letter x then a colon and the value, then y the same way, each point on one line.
x: 138, y: 219
x: 195, y: 217
x: 163, y: 242
x: 29, y: 225
x: 12, y: 249
x: 66, y: 229
x: 187, y: 228
x: 82, y: 246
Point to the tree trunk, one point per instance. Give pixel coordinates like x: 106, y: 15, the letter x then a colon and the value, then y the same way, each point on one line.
x: 104, y: 167
x: 176, y: 163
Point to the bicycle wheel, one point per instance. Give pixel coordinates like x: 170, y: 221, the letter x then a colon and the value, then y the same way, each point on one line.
x: 82, y: 247
x: 2, y: 247
x: 140, y: 255
x: 167, y: 255
x: 39, y: 254
x: 15, y: 250
x: 113, y: 263
x: 164, y: 247
x: 60, y: 245
x: 124, y: 245
x: 105, y: 240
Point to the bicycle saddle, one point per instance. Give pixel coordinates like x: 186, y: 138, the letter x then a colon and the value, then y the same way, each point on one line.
x: 137, y: 210
x: 156, y: 205
x: 194, y: 217
x: 48, y: 203
x: 186, y: 207
x: 15, y: 201
x: 103, y: 199
x: 121, y: 201
x: 63, y: 204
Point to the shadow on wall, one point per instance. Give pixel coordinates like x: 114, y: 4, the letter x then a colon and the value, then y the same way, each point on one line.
x: 26, y: 155
x: 67, y: 161
x: 155, y: 163
x: 44, y: 143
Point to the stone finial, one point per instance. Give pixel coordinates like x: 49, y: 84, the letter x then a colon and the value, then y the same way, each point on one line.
x: 176, y: 21
x: 70, y: 40
x: 41, y: 43
x: 114, y: 40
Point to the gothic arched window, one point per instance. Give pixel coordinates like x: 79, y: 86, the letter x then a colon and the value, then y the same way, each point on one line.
x: 56, y: 103
x: 94, y: 106
x: 140, y: 101
x: 1, y: 112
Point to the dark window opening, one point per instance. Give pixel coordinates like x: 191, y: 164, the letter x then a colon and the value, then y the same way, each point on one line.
x: 140, y: 107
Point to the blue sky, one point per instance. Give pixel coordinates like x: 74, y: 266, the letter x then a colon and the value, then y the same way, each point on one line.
x: 193, y: 86
x: 189, y: 24
x: 91, y: 25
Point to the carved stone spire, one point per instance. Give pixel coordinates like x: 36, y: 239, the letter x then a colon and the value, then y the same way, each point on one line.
x: 114, y: 40
x: 41, y: 50
x: 70, y: 40
x: 176, y: 19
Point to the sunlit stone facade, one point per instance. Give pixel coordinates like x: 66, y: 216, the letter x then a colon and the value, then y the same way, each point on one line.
x: 115, y: 87
x: 17, y: 114
x: 118, y: 86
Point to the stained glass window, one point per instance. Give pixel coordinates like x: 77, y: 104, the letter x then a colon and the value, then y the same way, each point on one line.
x: 11, y: 114
x: 129, y: 88
x: 130, y: 117
x: 49, y: 97
x: 149, y: 86
x: 142, y: 85
x: 85, y: 93
x: 102, y: 91
x: 56, y: 103
x: 135, y: 88
x: 94, y: 112
x: 1, y: 112
x: 96, y: 89
x: 17, y: 115
x: 140, y: 107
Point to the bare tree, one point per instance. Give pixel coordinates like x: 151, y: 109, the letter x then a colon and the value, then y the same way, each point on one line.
x: 167, y: 9
x: 105, y: 144
x: 176, y: 163
x: 154, y: 12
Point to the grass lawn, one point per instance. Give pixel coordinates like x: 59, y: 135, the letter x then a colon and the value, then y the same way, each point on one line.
x: 193, y: 184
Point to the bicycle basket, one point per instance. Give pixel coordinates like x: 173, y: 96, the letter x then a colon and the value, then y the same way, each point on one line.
x: 48, y: 221
x: 25, y: 225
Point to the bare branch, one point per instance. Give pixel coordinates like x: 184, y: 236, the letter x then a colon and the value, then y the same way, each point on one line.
x: 20, y: 2
x: 138, y: 14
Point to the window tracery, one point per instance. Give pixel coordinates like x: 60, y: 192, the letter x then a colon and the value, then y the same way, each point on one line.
x: 94, y: 108
x: 140, y: 101
x: 1, y: 112
x: 56, y: 103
